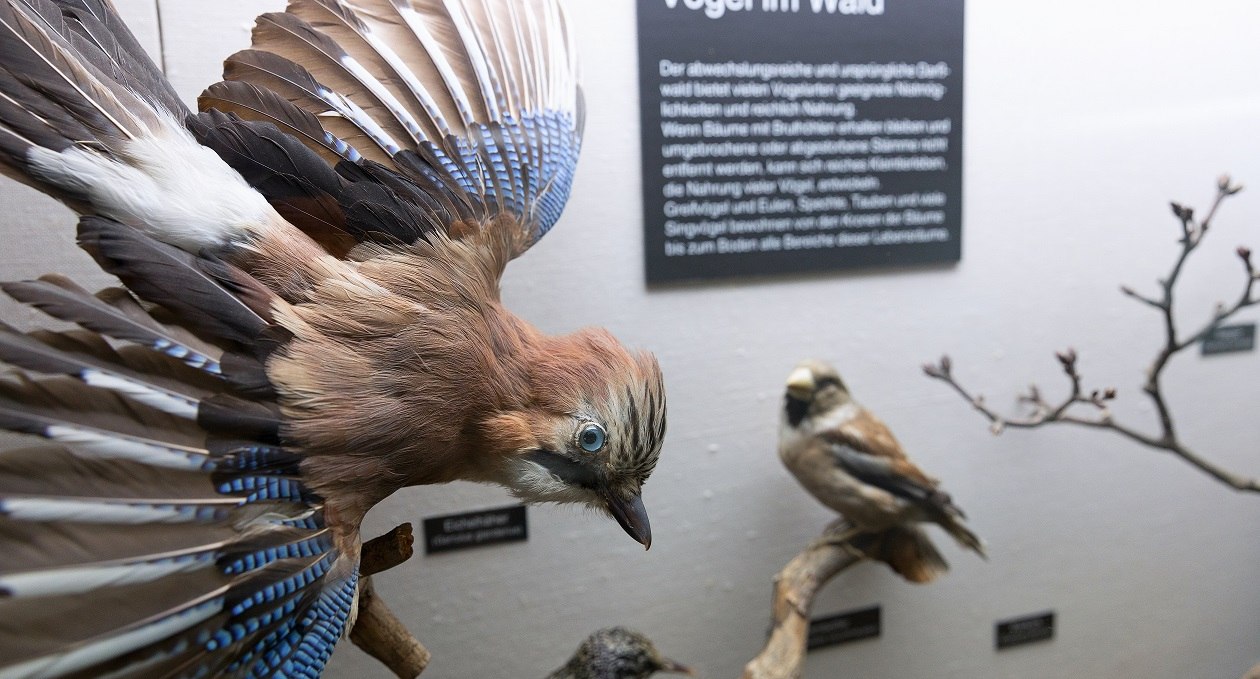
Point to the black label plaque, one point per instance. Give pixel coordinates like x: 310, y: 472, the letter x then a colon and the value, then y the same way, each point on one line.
x: 1025, y: 630
x: 785, y: 136
x: 844, y: 627
x: 475, y: 529
x: 1228, y: 339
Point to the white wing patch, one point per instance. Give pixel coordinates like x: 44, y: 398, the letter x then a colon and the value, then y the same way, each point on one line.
x: 167, y: 184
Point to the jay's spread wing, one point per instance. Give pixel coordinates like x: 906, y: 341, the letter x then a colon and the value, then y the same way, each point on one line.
x: 163, y: 529
x: 386, y: 120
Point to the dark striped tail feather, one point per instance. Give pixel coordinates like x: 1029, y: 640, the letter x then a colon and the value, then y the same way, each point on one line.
x: 164, y: 529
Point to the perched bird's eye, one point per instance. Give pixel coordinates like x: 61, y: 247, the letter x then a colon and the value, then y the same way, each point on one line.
x: 591, y: 437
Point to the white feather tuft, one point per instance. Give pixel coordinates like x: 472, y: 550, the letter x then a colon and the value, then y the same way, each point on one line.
x: 535, y: 484
x: 166, y: 184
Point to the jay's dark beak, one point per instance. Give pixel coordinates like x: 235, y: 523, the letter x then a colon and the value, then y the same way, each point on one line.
x: 630, y: 513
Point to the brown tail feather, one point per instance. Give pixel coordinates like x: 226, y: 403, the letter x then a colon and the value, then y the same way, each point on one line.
x: 964, y: 536
x: 908, y: 551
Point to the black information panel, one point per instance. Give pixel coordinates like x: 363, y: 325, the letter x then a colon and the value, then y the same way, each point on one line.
x: 800, y: 135
x: 1228, y: 339
x: 1025, y: 630
x: 842, y: 628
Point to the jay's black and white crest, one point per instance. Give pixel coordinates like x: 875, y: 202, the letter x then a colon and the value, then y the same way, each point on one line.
x: 849, y: 460
x: 309, y: 319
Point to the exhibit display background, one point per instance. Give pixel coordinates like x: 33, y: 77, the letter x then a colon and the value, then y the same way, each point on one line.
x: 1083, y: 120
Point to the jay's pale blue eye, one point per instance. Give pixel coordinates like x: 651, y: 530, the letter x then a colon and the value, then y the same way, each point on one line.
x: 591, y: 437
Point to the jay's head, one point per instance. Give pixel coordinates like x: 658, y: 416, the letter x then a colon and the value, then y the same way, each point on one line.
x: 593, y: 430
x: 620, y: 653
x: 813, y: 388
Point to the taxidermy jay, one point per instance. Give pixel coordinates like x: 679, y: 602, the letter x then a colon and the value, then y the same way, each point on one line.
x: 310, y: 321
x: 849, y: 461
x: 617, y: 653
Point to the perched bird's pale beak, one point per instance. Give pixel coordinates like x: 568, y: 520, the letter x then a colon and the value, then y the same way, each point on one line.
x: 800, y: 384
x: 631, y: 514
x: 675, y: 667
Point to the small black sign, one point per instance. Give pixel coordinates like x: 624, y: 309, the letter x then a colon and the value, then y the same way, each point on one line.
x: 475, y: 529
x: 1228, y: 339
x: 1025, y: 630
x: 844, y: 627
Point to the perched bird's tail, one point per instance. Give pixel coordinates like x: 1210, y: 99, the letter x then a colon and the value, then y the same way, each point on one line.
x: 908, y: 551
x: 964, y: 536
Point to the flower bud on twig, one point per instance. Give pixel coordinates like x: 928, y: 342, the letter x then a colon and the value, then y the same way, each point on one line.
x: 1226, y: 186
x: 1067, y: 358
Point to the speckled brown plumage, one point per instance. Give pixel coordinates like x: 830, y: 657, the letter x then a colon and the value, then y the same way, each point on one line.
x: 617, y: 653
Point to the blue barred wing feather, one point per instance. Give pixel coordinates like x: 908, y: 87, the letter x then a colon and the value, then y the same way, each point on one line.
x: 447, y: 113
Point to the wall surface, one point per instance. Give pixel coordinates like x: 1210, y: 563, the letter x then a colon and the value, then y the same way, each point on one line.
x: 1082, y: 120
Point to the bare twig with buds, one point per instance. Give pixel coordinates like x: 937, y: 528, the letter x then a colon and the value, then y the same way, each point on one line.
x: 1098, y: 414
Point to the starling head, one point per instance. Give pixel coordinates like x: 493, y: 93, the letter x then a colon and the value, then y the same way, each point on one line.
x: 813, y: 388
x: 618, y: 653
x: 594, y: 430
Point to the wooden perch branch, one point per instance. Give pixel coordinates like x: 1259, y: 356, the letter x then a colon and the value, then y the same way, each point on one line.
x: 381, y: 635
x: 377, y: 630
x: 794, y: 589
x: 384, y: 552
x: 1095, y: 403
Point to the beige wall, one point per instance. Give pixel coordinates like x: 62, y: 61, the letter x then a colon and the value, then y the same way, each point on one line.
x: 1082, y: 120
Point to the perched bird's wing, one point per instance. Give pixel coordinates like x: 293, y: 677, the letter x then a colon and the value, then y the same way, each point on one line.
x: 866, y: 449
x: 163, y: 529
x: 401, y: 118
x: 867, y: 435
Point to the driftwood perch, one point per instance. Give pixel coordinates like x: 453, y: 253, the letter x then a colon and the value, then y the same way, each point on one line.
x: 385, y: 552
x: 377, y: 630
x: 794, y: 589
x: 381, y: 635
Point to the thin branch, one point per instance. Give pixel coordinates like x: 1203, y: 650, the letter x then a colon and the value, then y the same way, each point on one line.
x: 376, y: 629
x: 1067, y: 411
x: 384, y: 552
